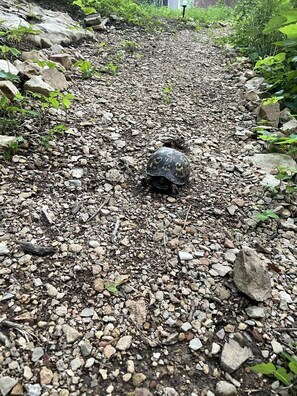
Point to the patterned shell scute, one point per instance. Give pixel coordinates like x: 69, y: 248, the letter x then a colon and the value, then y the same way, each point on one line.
x: 169, y: 163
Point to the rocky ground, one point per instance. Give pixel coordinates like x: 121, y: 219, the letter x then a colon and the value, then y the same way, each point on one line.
x: 138, y: 296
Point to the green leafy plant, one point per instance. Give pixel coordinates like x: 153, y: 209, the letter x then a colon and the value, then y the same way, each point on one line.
x: 266, y: 214
x: 272, y: 100
x: 286, y: 373
x: 112, y: 68
x: 285, y: 173
x: 278, y: 142
x: 47, y: 139
x: 13, y: 112
x: 6, y: 51
x: 9, y: 76
x: 16, y: 35
x: 86, y: 68
x: 167, y: 92
x: 112, y: 287
x: 12, y: 148
x: 45, y: 63
x: 129, y: 46
x: 250, y: 19
x: 85, y: 6
x: 56, y: 100
x: 279, y: 69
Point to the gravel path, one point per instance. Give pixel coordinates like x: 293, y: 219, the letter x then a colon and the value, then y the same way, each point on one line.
x: 170, y: 258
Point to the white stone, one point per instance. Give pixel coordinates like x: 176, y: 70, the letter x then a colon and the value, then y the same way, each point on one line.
x: 3, y: 249
x: 124, y: 343
x: 185, y: 256
x: 276, y: 346
x: 6, y: 384
x: 224, y: 388
x: 8, y: 67
x: 36, y: 84
x: 195, y: 344
x: 234, y: 355
x: 215, y: 348
x: 255, y: 312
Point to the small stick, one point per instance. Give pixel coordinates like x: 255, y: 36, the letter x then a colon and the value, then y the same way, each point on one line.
x: 114, y: 232
x: 165, y: 248
x: 97, y: 211
x: 185, y: 221
x: 44, y: 211
x: 20, y: 328
x: 286, y: 329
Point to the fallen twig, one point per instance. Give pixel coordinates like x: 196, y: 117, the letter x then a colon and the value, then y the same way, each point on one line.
x: 25, y: 331
x: 97, y: 211
x: 185, y: 221
x: 115, y: 230
x: 286, y: 329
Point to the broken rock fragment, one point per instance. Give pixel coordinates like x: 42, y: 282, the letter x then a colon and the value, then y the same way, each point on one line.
x: 250, y: 275
x: 234, y: 355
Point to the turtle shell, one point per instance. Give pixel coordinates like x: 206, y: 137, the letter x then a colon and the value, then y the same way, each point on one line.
x: 170, y: 164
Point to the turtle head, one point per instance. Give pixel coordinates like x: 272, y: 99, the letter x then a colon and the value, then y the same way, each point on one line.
x: 161, y: 184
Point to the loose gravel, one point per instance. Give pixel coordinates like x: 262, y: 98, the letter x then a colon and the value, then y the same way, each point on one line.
x: 136, y: 295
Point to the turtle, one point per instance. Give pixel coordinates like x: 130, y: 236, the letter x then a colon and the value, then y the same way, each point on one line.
x: 167, y: 168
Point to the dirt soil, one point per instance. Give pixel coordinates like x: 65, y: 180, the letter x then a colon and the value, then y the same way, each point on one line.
x: 84, y: 196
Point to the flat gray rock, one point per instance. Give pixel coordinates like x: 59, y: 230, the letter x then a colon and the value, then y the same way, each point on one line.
x: 6, y: 384
x: 272, y: 161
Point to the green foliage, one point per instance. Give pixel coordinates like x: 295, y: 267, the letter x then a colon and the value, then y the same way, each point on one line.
x: 86, y: 68
x: 251, y: 17
x: 45, y: 63
x: 6, y: 51
x: 16, y: 35
x: 211, y: 14
x: 167, y: 93
x: 56, y: 100
x: 50, y: 136
x: 129, y: 46
x: 85, y: 6
x: 280, y: 69
x: 150, y: 16
x: 266, y: 215
x: 112, y: 68
x: 285, y: 173
x: 13, y: 113
x: 279, y: 143
x: 9, y: 76
x: 12, y: 148
x: 112, y: 287
x: 286, y: 373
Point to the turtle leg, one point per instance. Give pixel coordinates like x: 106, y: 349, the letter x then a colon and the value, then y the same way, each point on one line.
x: 173, y: 189
x: 145, y: 182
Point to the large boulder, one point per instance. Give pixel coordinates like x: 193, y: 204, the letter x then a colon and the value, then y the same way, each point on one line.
x: 55, y: 79
x: 269, y: 113
x: 269, y: 163
x: 52, y: 27
x: 37, y: 85
x: 8, y: 89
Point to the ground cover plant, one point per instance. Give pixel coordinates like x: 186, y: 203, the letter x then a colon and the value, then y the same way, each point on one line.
x: 149, y: 15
